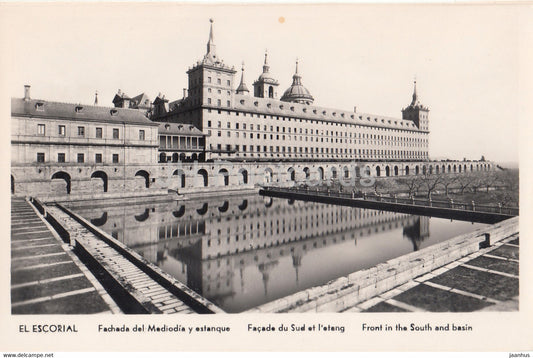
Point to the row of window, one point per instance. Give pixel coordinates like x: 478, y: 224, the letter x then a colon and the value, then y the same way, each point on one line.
x: 80, y: 158
x: 61, y: 131
x: 314, y: 121
x: 317, y: 132
x: 317, y: 150
x: 219, y: 102
x: 313, y: 139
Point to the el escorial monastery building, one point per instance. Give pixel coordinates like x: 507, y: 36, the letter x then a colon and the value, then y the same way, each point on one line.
x: 142, y: 147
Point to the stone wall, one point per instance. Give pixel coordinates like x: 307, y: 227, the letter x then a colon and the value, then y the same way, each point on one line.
x: 48, y: 180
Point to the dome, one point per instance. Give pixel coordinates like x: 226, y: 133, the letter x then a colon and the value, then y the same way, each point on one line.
x: 297, y: 92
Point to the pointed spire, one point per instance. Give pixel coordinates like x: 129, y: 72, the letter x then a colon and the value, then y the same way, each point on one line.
x: 296, y: 79
x: 242, y: 86
x: 266, y: 67
x: 415, y: 100
x: 211, y: 48
x: 96, y: 97
x: 211, y: 32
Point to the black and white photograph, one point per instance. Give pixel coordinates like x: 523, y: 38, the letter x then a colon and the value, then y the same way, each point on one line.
x: 359, y: 162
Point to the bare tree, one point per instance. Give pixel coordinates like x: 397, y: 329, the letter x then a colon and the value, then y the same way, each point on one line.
x: 430, y: 182
x: 464, y: 181
x: 412, y: 184
x: 447, y: 181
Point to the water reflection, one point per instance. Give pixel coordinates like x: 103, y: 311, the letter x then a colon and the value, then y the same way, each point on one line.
x: 243, y: 252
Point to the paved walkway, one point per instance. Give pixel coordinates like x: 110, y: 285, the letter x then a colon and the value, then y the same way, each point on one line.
x: 149, y: 293
x: 46, y: 278
x: 483, y: 281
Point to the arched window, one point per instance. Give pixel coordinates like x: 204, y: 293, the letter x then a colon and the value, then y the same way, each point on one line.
x: 292, y: 173
x: 321, y: 173
x: 270, y: 92
x: 61, y: 183
x: 99, y: 181
x: 181, y: 174
x: 142, y: 175
x: 387, y: 171
x: 244, y: 175
x: 225, y: 175
x: 203, y: 174
x: 406, y: 170
x: 307, y: 172
x: 163, y: 157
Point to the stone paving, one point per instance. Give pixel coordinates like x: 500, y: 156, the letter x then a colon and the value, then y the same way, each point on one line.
x: 46, y: 277
x: 483, y: 281
x: 154, y: 297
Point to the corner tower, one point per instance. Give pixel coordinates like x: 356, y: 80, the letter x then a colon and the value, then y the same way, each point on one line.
x: 416, y: 112
x: 210, y: 80
x: 266, y: 86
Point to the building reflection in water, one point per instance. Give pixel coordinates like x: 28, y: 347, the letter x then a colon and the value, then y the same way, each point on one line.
x: 240, y: 252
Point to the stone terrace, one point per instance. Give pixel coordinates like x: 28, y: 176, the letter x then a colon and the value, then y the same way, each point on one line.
x: 46, y: 278
x: 483, y: 281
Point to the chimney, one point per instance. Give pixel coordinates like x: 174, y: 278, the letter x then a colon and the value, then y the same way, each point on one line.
x: 184, y: 92
x: 26, y: 92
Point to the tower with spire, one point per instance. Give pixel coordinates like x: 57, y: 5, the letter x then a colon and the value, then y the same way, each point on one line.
x: 210, y: 80
x: 416, y: 112
x: 266, y: 86
x: 297, y: 92
x: 242, y: 89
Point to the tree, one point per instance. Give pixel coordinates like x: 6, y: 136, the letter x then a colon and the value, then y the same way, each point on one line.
x: 430, y: 182
x: 412, y: 184
x: 447, y: 181
x: 464, y: 181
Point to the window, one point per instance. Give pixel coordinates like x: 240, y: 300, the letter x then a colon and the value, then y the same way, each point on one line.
x: 98, y: 132
x: 218, y: 81
x: 61, y: 130
x: 228, y: 104
x: 228, y: 82
x: 209, y: 79
x: 98, y: 158
x: 141, y: 134
x: 40, y: 157
x: 115, y: 133
x: 115, y: 158
x: 61, y: 157
x: 209, y: 123
x: 41, y: 129
x: 81, y: 131
x: 209, y: 101
x: 219, y: 102
x: 81, y: 157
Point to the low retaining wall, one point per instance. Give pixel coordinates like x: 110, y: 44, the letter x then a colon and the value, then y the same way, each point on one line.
x: 359, y: 286
x: 347, y: 200
x: 184, y: 293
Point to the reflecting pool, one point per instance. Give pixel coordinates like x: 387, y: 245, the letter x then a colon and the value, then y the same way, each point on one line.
x: 243, y: 251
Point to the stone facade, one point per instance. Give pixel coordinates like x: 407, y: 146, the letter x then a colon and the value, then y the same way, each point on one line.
x: 262, y: 127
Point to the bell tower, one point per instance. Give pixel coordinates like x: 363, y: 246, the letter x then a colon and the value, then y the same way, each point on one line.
x: 266, y: 86
x: 417, y: 112
x: 210, y: 80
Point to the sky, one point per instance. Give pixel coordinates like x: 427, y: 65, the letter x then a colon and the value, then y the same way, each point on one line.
x: 468, y: 60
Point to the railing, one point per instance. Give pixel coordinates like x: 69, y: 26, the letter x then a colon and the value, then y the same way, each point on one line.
x: 450, y: 204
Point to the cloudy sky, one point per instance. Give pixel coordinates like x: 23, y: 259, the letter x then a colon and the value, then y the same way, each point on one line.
x: 468, y: 60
